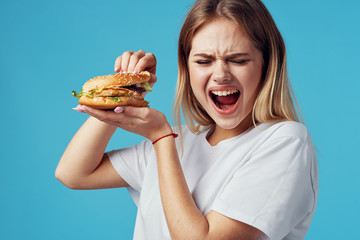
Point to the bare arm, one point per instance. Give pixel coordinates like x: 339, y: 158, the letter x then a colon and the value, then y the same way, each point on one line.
x: 84, y: 164
x: 180, y: 209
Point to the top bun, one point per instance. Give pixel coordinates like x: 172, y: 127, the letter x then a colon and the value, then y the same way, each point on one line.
x: 119, y: 79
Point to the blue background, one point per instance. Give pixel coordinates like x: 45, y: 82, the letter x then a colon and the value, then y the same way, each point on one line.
x: 49, y: 48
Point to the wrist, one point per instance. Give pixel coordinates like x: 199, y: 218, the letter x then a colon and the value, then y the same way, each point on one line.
x: 174, y: 135
x: 102, y: 125
x: 157, y: 135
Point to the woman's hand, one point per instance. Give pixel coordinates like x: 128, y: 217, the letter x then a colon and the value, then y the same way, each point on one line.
x: 134, y: 62
x: 143, y: 121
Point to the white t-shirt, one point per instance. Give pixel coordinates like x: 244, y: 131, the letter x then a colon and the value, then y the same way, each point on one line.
x: 266, y: 177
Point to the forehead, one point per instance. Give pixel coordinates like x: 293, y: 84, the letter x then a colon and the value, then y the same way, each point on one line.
x: 220, y: 36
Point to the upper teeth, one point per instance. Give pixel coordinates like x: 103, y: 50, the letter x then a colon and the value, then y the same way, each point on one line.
x: 224, y: 93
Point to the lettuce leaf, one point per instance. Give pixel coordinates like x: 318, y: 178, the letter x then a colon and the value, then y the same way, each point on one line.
x: 89, y: 94
x: 116, y: 99
x: 146, y: 86
x: 77, y: 95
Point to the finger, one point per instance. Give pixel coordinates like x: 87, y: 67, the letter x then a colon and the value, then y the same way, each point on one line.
x: 125, y: 59
x: 152, y: 80
x: 134, y: 61
x: 117, y: 66
x: 97, y: 113
x: 141, y: 113
x: 78, y: 109
x: 110, y: 117
x: 147, y: 62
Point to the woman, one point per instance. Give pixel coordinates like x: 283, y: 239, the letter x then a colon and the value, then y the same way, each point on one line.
x: 247, y: 168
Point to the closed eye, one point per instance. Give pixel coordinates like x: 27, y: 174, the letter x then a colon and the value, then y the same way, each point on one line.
x: 239, y: 61
x: 203, y: 61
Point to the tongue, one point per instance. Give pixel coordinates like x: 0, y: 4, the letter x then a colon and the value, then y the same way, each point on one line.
x: 227, y: 100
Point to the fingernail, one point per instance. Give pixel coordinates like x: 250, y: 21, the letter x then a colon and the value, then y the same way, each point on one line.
x: 119, y: 109
x: 78, y: 110
x: 116, y: 69
x: 136, y: 71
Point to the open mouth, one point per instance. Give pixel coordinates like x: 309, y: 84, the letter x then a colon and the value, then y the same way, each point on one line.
x: 225, y: 100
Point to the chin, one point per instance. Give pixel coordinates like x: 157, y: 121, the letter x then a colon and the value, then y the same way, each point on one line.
x: 234, y: 123
x: 227, y: 125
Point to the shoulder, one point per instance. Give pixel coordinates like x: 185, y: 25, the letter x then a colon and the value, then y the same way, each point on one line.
x: 283, y: 136
x: 288, y: 129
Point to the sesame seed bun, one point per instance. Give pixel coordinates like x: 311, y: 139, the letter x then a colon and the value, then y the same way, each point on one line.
x: 110, y: 91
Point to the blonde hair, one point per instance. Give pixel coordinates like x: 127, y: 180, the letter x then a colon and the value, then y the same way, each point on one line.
x: 275, y: 101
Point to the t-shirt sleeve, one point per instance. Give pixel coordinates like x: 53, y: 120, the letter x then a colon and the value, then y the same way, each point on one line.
x: 274, y: 190
x: 131, y: 163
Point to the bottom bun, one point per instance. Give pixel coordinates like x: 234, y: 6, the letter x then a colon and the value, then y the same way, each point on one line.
x: 108, y: 103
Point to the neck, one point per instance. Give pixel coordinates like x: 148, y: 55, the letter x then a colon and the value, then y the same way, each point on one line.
x: 220, y: 134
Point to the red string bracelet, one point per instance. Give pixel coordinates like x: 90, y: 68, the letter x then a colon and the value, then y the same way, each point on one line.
x: 171, y: 134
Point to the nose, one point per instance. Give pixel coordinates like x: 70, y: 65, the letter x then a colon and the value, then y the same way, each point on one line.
x: 221, y: 72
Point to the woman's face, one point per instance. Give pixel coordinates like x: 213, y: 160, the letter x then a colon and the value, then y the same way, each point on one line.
x: 225, y: 72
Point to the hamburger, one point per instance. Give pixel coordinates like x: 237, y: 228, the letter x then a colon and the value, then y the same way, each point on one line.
x: 118, y: 89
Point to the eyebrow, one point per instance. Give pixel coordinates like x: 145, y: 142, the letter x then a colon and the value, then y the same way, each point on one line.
x: 233, y: 55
